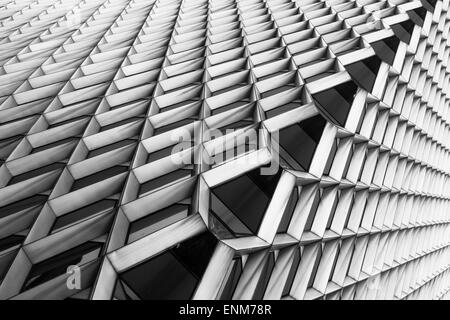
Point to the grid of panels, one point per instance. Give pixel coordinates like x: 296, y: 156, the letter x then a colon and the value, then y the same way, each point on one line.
x: 346, y: 101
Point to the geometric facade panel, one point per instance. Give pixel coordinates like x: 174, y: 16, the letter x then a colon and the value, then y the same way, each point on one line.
x: 224, y: 149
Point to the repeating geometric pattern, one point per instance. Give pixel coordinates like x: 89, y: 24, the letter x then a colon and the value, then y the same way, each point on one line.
x: 345, y: 102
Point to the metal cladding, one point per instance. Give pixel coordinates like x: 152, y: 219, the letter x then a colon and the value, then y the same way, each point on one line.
x: 224, y: 149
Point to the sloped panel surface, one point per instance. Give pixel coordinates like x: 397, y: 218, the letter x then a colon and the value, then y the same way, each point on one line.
x: 224, y: 149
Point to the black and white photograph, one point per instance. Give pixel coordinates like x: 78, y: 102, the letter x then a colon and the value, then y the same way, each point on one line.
x: 233, y: 150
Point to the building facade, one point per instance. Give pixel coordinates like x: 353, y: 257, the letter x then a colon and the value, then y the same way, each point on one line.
x: 224, y: 149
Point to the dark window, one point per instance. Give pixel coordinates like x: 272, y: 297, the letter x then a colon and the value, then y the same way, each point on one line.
x: 287, y: 215
x: 37, y: 172
x: 173, y: 274
x: 333, y: 211
x: 331, y: 156
x: 429, y: 4
x: 230, y: 106
x: 365, y: 72
x: 110, y: 147
x: 23, y: 204
x: 265, y: 276
x: 404, y: 30
x: 312, y: 213
x: 98, y: 176
x: 282, y: 109
x: 227, y: 218
x: 300, y: 140
x: 54, y: 144
x: 157, y: 220
x: 173, y: 125
x: 337, y: 101
x: 8, y: 144
x: 418, y: 15
x: 57, y: 265
x: 245, y: 198
x: 236, y: 125
x: 11, y: 241
x: 232, y: 280
x: 292, y: 272
x: 386, y: 49
x: 166, y: 179
x: 157, y: 155
x: 83, y: 213
x: 57, y: 124
x: 314, y: 271
x: 120, y: 123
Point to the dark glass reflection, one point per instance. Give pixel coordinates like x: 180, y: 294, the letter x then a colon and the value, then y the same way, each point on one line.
x: 337, y: 101
x: 174, y: 125
x: 10, y: 241
x: 232, y: 280
x: 292, y: 272
x: 429, y: 4
x: 54, y: 144
x: 57, y: 265
x: 165, y: 152
x: 300, y: 140
x: 23, y: 204
x: 404, y: 30
x: 418, y: 15
x: 172, y: 275
x: 37, y: 172
x: 157, y: 220
x: 98, y: 177
x: 60, y: 123
x: 282, y: 109
x: 120, y: 123
x: 365, y: 72
x: 240, y: 204
x: 163, y: 180
x: 67, y: 219
x: 265, y: 276
x: 386, y: 48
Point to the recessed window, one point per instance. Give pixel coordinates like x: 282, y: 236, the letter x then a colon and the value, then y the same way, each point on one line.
x: 57, y: 124
x: 240, y: 204
x: 417, y: 15
x: 172, y: 275
x: 165, y: 152
x: 174, y: 125
x: 365, y: 72
x: 37, y: 172
x: 157, y: 220
x: 300, y: 141
x: 10, y: 241
x: 287, y: 215
x: 54, y: 144
x: 98, y: 177
x: 429, y: 4
x: 232, y: 280
x: 57, y: 265
x: 386, y: 49
x: 83, y: 213
x: 120, y: 123
x: 282, y: 109
x: 110, y: 147
x: 337, y: 101
x: 28, y: 203
x: 404, y: 30
x: 265, y: 276
x: 170, y: 178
